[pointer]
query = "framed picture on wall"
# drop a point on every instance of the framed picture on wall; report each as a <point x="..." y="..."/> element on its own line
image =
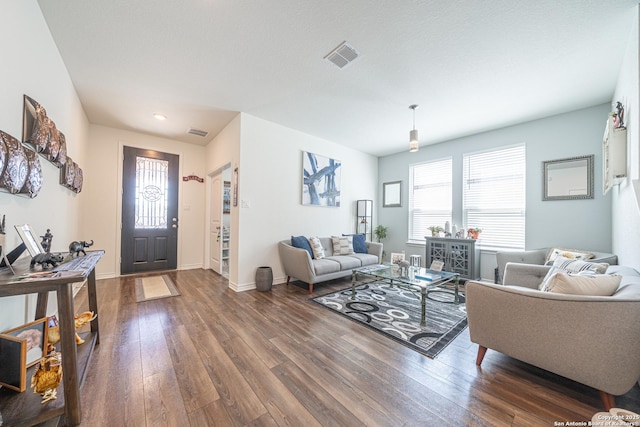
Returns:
<point x="392" y="194"/>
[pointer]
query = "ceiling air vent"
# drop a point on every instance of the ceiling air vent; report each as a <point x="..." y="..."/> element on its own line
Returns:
<point x="198" y="132"/>
<point x="342" y="56"/>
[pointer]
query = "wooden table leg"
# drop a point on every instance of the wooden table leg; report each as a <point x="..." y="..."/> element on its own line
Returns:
<point x="93" y="303"/>
<point x="41" y="305"/>
<point x="69" y="355"/>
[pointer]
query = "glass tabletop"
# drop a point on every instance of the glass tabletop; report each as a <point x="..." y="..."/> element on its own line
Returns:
<point x="414" y="275"/>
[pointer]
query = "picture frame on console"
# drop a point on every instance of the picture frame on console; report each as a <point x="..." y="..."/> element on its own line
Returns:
<point x="28" y="236"/>
<point x="13" y="369"/>
<point x="35" y="335"/>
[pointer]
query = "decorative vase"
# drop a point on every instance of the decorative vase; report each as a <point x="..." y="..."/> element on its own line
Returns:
<point x="264" y="279"/>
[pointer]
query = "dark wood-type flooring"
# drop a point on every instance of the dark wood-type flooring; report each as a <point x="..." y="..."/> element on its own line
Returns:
<point x="216" y="357"/>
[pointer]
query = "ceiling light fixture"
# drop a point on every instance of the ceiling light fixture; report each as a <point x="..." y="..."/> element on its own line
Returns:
<point x="414" y="145"/>
<point x="160" y="116"/>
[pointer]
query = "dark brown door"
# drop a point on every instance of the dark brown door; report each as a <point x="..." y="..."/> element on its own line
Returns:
<point x="149" y="211"/>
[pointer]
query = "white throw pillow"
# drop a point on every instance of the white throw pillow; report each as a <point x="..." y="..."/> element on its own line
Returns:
<point x="342" y="245"/>
<point x="572" y="266"/>
<point x="587" y="284"/>
<point x="316" y="247"/>
<point x="567" y="253"/>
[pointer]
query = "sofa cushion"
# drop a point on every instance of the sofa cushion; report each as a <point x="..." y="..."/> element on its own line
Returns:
<point x="316" y="247"/>
<point x="359" y="243"/>
<point x="584" y="284"/>
<point x="572" y="266"/>
<point x="346" y="262"/>
<point x="301" y="242"/>
<point x="342" y="245"/>
<point x="366" y="259"/>
<point x="567" y="253"/>
<point x="325" y="266"/>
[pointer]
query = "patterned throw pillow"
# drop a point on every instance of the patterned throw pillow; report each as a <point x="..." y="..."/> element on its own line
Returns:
<point x="316" y="247"/>
<point x="359" y="243"/>
<point x="342" y="245"/>
<point x="567" y="253"/>
<point x="578" y="284"/>
<point x="572" y="266"/>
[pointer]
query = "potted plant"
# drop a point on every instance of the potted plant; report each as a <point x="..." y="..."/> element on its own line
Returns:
<point x="435" y="230"/>
<point x="474" y="232"/>
<point x="380" y="232"/>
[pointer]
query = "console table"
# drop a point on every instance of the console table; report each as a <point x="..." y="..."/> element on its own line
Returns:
<point x="25" y="409"/>
<point x="459" y="255"/>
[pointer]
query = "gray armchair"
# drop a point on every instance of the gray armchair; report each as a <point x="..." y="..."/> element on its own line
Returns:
<point x="538" y="257"/>
<point x="593" y="340"/>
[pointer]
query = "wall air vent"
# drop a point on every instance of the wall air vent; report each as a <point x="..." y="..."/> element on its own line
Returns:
<point x="198" y="132"/>
<point x="342" y="56"/>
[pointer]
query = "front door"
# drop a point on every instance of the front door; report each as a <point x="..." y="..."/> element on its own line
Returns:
<point x="149" y="211"/>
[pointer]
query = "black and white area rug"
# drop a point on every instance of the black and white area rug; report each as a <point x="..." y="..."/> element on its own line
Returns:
<point x="395" y="313"/>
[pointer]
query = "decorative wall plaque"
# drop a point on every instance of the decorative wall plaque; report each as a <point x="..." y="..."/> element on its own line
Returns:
<point x="68" y="173"/>
<point x="34" y="179"/>
<point x="53" y="146"/>
<point x="77" y="180"/>
<point x="35" y="125"/>
<point x="62" y="154"/>
<point x="15" y="174"/>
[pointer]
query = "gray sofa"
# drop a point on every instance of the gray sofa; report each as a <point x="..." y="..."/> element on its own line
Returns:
<point x="593" y="340"/>
<point x="539" y="256"/>
<point x="298" y="264"/>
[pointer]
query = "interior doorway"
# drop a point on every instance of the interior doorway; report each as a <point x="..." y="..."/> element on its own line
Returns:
<point x="220" y="222"/>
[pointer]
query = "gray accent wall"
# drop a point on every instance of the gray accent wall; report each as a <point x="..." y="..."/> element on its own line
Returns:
<point x="578" y="224"/>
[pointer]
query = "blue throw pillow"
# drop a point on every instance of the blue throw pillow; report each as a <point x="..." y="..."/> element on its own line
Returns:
<point x="302" y="243"/>
<point x="359" y="243"/>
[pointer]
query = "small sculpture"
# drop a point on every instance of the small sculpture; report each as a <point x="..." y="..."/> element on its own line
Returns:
<point x="47" y="377"/>
<point x="77" y="247"/>
<point x="619" y="117"/>
<point x="46" y="241"/>
<point x="82" y="319"/>
<point x="47" y="259"/>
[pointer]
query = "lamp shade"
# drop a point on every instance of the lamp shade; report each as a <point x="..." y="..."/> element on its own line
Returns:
<point x="414" y="145"/>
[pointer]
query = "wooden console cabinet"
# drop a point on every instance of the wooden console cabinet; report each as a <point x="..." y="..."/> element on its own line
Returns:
<point x="25" y="409"/>
<point x="459" y="255"/>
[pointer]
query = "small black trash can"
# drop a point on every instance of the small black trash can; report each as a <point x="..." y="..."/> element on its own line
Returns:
<point x="264" y="279"/>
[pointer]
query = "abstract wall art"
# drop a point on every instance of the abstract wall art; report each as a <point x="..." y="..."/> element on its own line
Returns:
<point x="320" y="180"/>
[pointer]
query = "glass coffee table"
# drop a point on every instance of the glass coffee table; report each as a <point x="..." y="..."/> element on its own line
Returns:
<point x="417" y="279"/>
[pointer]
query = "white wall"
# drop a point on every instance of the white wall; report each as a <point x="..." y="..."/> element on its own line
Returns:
<point x="270" y="185"/>
<point x="626" y="214"/>
<point x="572" y="134"/>
<point x="103" y="191"/>
<point x="31" y="65"/>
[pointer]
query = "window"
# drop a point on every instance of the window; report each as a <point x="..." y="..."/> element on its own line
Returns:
<point x="430" y="197"/>
<point x="494" y="195"/>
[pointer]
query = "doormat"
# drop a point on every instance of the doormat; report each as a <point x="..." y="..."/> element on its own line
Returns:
<point x="395" y="313"/>
<point x="154" y="287"/>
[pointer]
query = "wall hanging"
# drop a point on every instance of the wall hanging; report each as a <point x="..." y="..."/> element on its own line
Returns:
<point x="320" y="180"/>
<point x="41" y="133"/>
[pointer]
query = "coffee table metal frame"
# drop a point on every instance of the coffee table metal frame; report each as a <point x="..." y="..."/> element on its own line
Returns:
<point x="387" y="273"/>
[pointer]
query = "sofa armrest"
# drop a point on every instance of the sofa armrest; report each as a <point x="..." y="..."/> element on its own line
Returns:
<point x="536" y="256"/>
<point x="375" y="248"/>
<point x="592" y="340"/>
<point x="296" y="262"/>
<point x="527" y="275"/>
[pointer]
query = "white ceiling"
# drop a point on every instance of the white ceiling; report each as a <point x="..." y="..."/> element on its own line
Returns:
<point x="470" y="65"/>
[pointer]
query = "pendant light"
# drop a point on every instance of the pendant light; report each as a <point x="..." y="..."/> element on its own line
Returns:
<point x="413" y="135"/>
